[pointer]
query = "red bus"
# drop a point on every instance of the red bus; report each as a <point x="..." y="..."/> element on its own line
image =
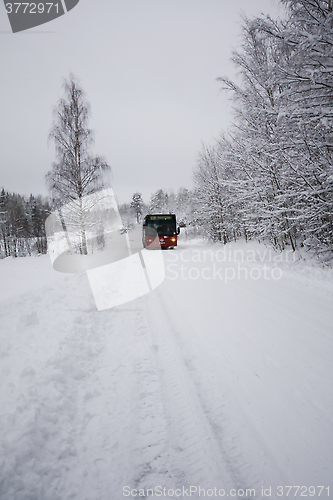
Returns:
<point x="160" y="230"/>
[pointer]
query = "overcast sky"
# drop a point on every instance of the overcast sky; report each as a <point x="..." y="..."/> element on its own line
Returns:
<point x="149" y="70"/>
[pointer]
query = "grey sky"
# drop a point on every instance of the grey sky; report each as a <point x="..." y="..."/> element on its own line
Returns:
<point x="149" y="70"/>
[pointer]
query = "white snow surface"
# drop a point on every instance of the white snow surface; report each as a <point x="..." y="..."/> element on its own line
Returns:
<point x="200" y="383"/>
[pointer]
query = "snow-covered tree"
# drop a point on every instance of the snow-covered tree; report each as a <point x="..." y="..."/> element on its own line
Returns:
<point x="22" y="221"/>
<point x="77" y="173"/>
<point x="305" y="74"/>
<point x="209" y="192"/>
<point x="159" y="202"/>
<point x="137" y="206"/>
<point x="4" y="222"/>
<point x="274" y="173"/>
<point x="257" y="135"/>
<point x="184" y="206"/>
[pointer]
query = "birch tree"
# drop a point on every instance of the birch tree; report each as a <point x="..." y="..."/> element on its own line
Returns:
<point x="213" y="200"/>
<point x="257" y="131"/>
<point x="77" y="173"/>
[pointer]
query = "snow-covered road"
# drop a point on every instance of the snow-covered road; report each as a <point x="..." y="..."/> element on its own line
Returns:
<point x="219" y="379"/>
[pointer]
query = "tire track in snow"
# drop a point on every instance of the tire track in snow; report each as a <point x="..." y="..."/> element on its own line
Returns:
<point x="146" y="436"/>
<point x="194" y="452"/>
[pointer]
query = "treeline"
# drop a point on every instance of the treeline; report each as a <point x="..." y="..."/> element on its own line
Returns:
<point x="181" y="203"/>
<point x="271" y="176"/>
<point x="22" y="224"/>
<point x="22" y="219"/>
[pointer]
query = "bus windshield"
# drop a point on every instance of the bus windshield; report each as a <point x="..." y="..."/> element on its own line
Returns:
<point x="164" y="225"/>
